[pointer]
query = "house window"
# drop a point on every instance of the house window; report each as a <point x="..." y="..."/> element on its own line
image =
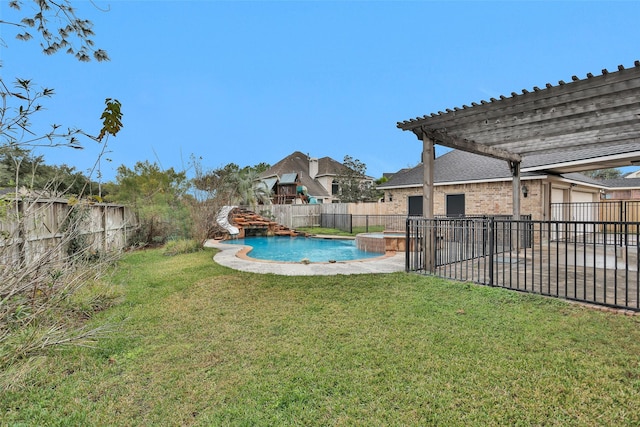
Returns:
<point x="335" y="188"/>
<point x="415" y="205"/>
<point x="455" y="205"/>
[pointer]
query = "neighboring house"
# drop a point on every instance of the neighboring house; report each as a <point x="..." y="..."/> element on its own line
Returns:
<point x="627" y="188"/>
<point x="471" y="184"/>
<point x="299" y="178"/>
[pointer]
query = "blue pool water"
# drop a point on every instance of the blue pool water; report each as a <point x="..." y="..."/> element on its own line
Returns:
<point x="295" y="249"/>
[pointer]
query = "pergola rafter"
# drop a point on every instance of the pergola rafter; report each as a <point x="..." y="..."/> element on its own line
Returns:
<point x="598" y="110"/>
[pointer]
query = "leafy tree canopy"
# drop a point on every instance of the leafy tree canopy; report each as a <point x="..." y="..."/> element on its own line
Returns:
<point x="57" y="27"/>
<point x="21" y="167"/>
<point x="354" y="184"/>
<point x="158" y="197"/>
<point x="233" y="185"/>
<point x="146" y="183"/>
<point x="609" y="173"/>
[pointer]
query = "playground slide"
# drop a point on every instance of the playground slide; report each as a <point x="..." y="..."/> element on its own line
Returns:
<point x="223" y="220"/>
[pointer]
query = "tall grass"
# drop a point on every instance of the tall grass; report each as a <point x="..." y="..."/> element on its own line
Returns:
<point x="47" y="293"/>
<point x="201" y="344"/>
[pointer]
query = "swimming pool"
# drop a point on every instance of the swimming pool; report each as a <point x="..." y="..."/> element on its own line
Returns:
<point x="297" y="249"/>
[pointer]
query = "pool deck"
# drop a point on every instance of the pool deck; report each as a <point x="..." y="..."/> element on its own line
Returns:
<point x="234" y="256"/>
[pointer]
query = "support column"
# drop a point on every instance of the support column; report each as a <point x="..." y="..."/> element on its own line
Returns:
<point x="427" y="204"/>
<point x="427" y="185"/>
<point x="515" y="172"/>
<point x="515" y="226"/>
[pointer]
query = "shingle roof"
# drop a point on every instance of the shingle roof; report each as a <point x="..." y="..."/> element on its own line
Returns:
<point x="621" y="183"/>
<point x="328" y="166"/>
<point x="576" y="176"/>
<point x="314" y="188"/>
<point x="295" y="162"/>
<point x="462" y="166"/>
<point x="583" y="156"/>
<point x="298" y="162"/>
<point x="454" y="166"/>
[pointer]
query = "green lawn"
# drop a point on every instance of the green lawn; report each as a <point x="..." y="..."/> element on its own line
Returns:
<point x="196" y="343"/>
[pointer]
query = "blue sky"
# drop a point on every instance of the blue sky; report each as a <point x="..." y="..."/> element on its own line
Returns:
<point x="249" y="82"/>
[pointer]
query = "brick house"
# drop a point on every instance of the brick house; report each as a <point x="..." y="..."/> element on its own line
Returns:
<point x="299" y="178"/>
<point x="471" y="184"/>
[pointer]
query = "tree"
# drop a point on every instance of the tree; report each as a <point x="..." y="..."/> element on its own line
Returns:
<point x="58" y="28"/>
<point x="610" y="173"/>
<point x="71" y="34"/>
<point x="158" y="198"/>
<point x="381" y="180"/>
<point x="232" y="185"/>
<point x="226" y="185"/>
<point x="354" y="184"/>
<point x="244" y="188"/>
<point x="19" y="167"/>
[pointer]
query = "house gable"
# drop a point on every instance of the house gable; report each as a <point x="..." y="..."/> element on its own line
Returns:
<point x="316" y="175"/>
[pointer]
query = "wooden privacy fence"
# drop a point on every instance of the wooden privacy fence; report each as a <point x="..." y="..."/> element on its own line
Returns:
<point x="609" y="212"/>
<point x="309" y="215"/>
<point x="30" y="229"/>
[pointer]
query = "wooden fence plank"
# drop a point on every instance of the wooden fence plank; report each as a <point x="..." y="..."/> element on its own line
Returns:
<point x="31" y="228"/>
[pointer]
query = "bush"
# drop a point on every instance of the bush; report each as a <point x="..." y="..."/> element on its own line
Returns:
<point x="182" y="246"/>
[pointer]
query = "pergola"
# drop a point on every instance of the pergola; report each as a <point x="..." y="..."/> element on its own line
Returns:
<point x="595" y="119"/>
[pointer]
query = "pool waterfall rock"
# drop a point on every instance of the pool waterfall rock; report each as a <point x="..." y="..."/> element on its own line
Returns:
<point x="237" y="223"/>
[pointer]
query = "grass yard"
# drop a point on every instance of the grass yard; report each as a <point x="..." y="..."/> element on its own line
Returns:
<point x="195" y="343"/>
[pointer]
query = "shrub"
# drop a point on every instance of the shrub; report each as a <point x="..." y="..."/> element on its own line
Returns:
<point x="182" y="246"/>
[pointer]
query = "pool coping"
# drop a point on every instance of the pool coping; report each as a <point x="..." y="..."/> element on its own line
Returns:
<point x="235" y="256"/>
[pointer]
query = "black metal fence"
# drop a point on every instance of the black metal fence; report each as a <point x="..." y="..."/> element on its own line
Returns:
<point x="588" y="261"/>
<point x="600" y="215"/>
<point x="353" y="223"/>
<point x="611" y="211"/>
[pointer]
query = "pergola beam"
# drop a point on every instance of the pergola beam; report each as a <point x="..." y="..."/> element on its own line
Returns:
<point x="580" y="92"/>
<point x="598" y="110"/>
<point x="560" y="121"/>
<point x="442" y="138"/>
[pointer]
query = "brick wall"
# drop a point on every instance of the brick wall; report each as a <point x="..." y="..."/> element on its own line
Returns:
<point x="488" y="198"/>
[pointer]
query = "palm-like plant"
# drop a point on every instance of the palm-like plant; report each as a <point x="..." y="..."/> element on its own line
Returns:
<point x="244" y="188"/>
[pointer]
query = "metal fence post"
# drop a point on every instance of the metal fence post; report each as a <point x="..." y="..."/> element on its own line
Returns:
<point x="490" y="232"/>
<point x="407" y="244"/>
<point x="623" y="215"/>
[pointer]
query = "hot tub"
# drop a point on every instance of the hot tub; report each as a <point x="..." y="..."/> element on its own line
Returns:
<point x="381" y="242"/>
